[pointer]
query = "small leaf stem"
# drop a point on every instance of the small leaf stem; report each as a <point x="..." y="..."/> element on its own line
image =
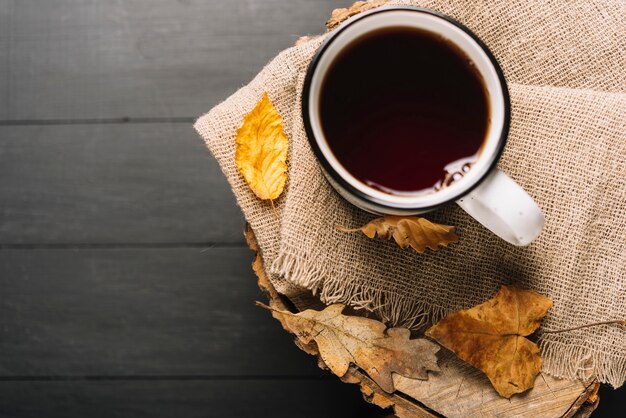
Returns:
<point x="595" y="324"/>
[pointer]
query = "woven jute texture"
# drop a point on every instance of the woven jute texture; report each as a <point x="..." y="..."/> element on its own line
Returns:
<point x="565" y="62"/>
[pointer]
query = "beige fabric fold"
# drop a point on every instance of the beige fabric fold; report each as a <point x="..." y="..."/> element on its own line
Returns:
<point x="566" y="66"/>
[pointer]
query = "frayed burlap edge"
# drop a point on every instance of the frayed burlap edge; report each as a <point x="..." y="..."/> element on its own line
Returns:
<point x="575" y="362"/>
<point x="560" y="360"/>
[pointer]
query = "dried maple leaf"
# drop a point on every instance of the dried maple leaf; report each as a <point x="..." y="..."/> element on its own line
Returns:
<point x="343" y="339"/>
<point x="339" y="15"/>
<point x="261" y="153"/>
<point x="418" y="233"/>
<point x="490" y="337"/>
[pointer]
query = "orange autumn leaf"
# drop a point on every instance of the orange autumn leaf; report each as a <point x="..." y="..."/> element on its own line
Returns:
<point x="261" y="154"/>
<point x="490" y="337"/>
<point x="409" y="231"/>
<point x="366" y="343"/>
<point x="338" y="16"/>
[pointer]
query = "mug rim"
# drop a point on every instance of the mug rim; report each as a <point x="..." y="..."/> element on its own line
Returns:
<point x="342" y="182"/>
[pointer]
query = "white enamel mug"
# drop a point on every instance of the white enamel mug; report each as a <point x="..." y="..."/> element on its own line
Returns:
<point x="486" y="193"/>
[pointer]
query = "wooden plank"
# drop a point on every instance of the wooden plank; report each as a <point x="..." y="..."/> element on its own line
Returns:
<point x="115" y="183"/>
<point x="189" y="399"/>
<point x="460" y="391"/>
<point x="139" y="312"/>
<point x="69" y="59"/>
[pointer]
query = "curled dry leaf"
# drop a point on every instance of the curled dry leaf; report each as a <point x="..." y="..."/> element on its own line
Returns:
<point x="261" y="154"/>
<point x="339" y="15"/>
<point x="343" y="339"/>
<point x="418" y="233"/>
<point x="490" y="337"/>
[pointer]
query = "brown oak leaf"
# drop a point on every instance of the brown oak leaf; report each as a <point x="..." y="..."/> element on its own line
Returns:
<point x="418" y="233"/>
<point x="343" y="340"/>
<point x="490" y="337"/>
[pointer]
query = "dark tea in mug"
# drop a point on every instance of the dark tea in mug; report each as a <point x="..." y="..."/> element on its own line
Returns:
<point x="407" y="111"/>
<point x="402" y="109"/>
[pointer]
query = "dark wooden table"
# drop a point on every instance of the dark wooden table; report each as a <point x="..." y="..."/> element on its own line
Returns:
<point x="125" y="286"/>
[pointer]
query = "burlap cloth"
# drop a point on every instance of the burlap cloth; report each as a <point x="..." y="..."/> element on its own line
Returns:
<point x="565" y="62"/>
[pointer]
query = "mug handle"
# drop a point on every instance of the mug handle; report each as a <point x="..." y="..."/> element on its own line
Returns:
<point x="503" y="207"/>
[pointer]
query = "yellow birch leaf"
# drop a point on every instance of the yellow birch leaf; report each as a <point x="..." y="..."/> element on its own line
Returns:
<point x="261" y="154"/>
